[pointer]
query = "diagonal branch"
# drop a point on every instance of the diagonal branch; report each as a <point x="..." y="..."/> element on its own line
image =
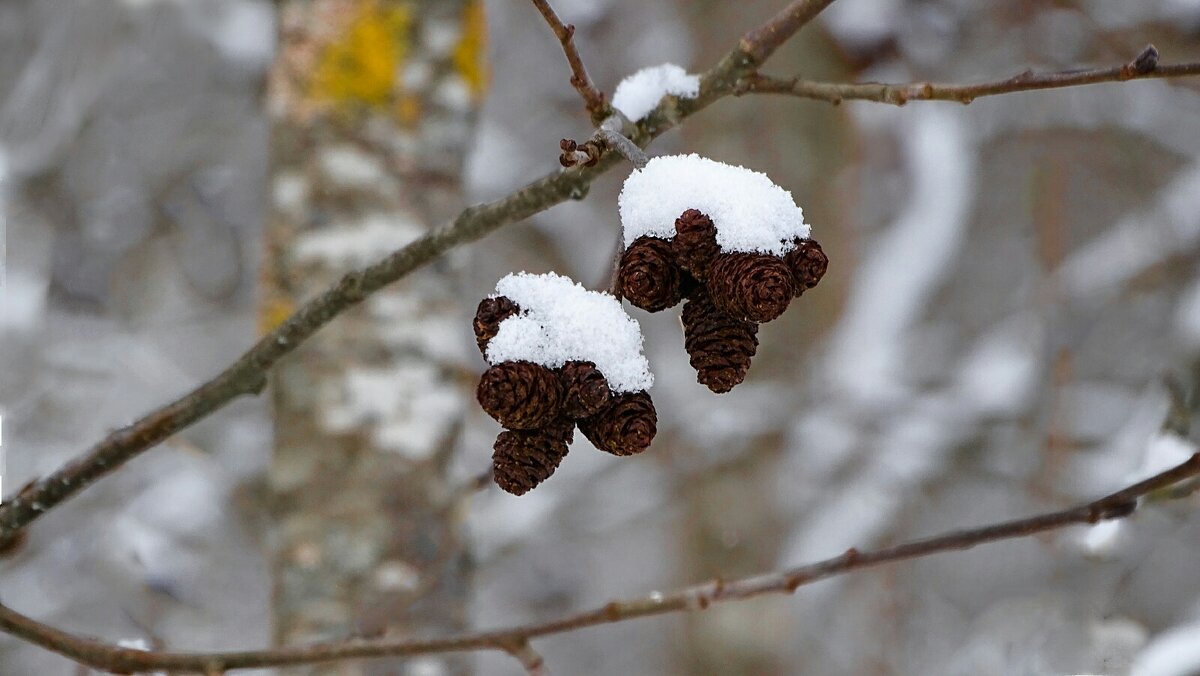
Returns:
<point x="247" y="375"/>
<point x="759" y="44"/>
<point x="1144" y="67"/>
<point x="515" y="640"/>
<point x="593" y="98"/>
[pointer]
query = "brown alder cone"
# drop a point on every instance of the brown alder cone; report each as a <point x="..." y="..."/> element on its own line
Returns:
<point x="585" y="389"/>
<point x="626" y="427"/>
<point x="695" y="243"/>
<point x="808" y="263"/>
<point x="520" y="395"/>
<point x="522" y="459"/>
<point x="488" y="315"/>
<point x="755" y="287"/>
<point x="719" y="347"/>
<point x="648" y="275"/>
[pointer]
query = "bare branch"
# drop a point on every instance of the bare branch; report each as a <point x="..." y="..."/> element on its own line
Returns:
<point x="530" y="659"/>
<point x="620" y="143"/>
<point x="515" y="640"/>
<point x="593" y="98"/>
<point x="1144" y="67"/>
<point x="760" y="43"/>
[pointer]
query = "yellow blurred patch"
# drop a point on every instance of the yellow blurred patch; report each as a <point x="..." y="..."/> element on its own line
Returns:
<point x="273" y="312"/>
<point x="361" y="66"/>
<point x="470" y="54"/>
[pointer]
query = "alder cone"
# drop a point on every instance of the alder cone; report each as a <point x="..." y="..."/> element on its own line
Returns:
<point x="488" y="315"/>
<point x="695" y="243"/>
<point x="522" y="459"/>
<point x="808" y="264"/>
<point x="755" y="287"/>
<point x="585" y="389"/>
<point x="624" y="428"/>
<point x="520" y="395"/>
<point x="648" y="275"/>
<point x="719" y="347"/>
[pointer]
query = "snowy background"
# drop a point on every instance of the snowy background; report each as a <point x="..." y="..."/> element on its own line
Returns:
<point x="1013" y="288"/>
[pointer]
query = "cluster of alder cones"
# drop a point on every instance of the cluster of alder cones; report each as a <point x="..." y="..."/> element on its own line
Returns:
<point x="540" y="407"/>
<point x="728" y="293"/>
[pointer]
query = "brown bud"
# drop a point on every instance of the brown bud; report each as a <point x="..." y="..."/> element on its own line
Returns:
<point x="488" y="315"/>
<point x="755" y="287"/>
<point x="585" y="389"/>
<point x="695" y="243"/>
<point x="648" y="275"/>
<point x="520" y="395"/>
<point x="808" y="264"/>
<point x="624" y="428"/>
<point x="523" y="459"/>
<point x="719" y="347"/>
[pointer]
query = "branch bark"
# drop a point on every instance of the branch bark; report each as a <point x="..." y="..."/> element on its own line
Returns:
<point x="512" y="640"/>
<point x="592" y="97"/>
<point x="1140" y="68"/>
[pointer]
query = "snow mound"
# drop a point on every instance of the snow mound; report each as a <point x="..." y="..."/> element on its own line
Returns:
<point x="640" y="93"/>
<point x="750" y="212"/>
<point x="561" y="321"/>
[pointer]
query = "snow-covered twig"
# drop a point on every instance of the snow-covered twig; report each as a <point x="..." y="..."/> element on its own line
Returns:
<point x="1144" y="67"/>
<point x="247" y="375"/>
<point x="515" y="640"/>
<point x="593" y="98"/>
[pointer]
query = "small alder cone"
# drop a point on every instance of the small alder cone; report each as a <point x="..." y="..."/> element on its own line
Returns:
<point x="808" y="264"/>
<point x="520" y="395"/>
<point x="585" y="389"/>
<point x="522" y="459"/>
<point x="648" y="275"/>
<point x="719" y="347"/>
<point x="488" y="315"/>
<point x="625" y="428"/>
<point x="695" y="243"/>
<point x="755" y="287"/>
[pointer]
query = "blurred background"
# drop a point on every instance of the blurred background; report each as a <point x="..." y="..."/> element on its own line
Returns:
<point x="1011" y="324"/>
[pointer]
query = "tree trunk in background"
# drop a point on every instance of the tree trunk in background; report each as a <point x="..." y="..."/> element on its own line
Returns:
<point x="373" y="103"/>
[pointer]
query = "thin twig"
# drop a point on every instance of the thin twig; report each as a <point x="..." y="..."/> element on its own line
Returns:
<point x="759" y="44"/>
<point x="109" y="657"/>
<point x="248" y="374"/>
<point x="532" y="661"/>
<point x="592" y="97"/>
<point x="626" y="148"/>
<point x="1141" y="68"/>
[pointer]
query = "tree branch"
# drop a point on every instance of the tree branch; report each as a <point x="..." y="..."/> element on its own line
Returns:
<point x="1144" y="67"/>
<point x="593" y="98"/>
<point x="515" y="640"/>
<point x="247" y="375"/>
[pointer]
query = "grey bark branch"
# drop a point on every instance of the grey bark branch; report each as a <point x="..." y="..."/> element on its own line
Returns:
<point x="99" y="655"/>
<point x="1141" y="68"/>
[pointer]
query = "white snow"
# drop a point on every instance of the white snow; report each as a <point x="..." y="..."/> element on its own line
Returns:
<point x="1102" y="540"/>
<point x="358" y="243"/>
<point x="750" y="212"/>
<point x="638" y="94"/>
<point x="1164" y="451"/>
<point x="1174" y="652"/>
<point x="561" y="321"/>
